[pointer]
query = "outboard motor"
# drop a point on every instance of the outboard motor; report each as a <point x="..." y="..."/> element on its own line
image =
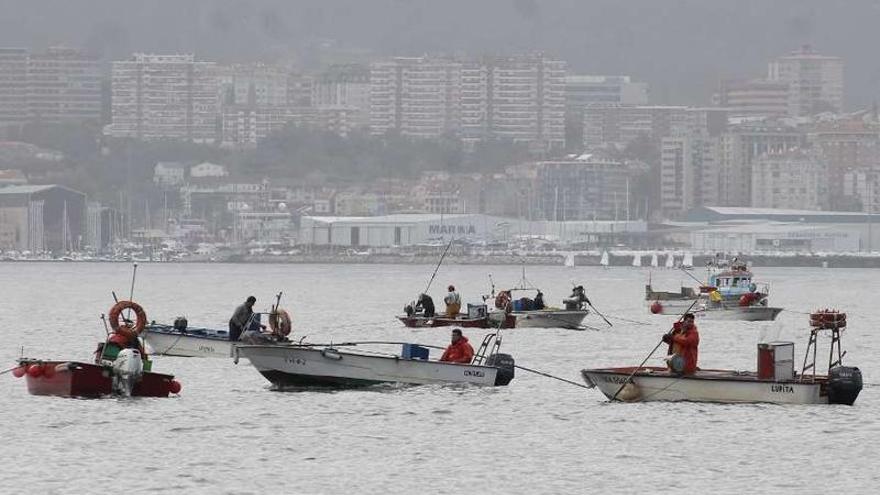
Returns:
<point x="506" y="367"/>
<point x="128" y="368"/>
<point x="180" y="324"/>
<point x="844" y="384"/>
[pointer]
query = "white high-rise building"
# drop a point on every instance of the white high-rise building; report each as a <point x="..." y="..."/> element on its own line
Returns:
<point x="418" y="96"/>
<point x="165" y="97"/>
<point x="345" y="88"/>
<point x="792" y="179"/>
<point x="815" y="81"/>
<point x="257" y="84"/>
<point x="688" y="174"/>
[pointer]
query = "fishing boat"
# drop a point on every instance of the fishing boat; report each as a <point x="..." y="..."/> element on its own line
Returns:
<point x="775" y="380"/>
<point x="476" y="317"/>
<point x="522" y="307"/>
<point x="341" y="366"/>
<point x="180" y="340"/>
<point x="121" y="367"/>
<point x="729" y="294"/>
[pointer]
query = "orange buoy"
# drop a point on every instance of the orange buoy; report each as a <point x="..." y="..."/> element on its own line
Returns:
<point x="35" y="370"/>
<point x="48" y="370"/>
<point x="174" y="387"/>
<point x="656" y="308"/>
<point x="20" y="371"/>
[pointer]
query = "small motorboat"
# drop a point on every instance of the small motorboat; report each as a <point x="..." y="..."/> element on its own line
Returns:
<point x="774" y="382"/>
<point x="442" y="320"/>
<point x="121" y="366"/>
<point x="516" y="308"/>
<point x="317" y="365"/>
<point x="180" y="340"/>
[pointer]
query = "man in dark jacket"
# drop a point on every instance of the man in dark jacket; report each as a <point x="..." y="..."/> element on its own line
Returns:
<point x="427" y="304"/>
<point x="240" y="318"/>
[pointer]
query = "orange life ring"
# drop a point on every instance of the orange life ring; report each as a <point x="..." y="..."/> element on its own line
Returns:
<point x="502" y="300"/>
<point x="279" y="322"/>
<point x="122" y="327"/>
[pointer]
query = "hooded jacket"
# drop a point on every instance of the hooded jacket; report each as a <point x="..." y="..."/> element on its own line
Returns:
<point x="459" y="352"/>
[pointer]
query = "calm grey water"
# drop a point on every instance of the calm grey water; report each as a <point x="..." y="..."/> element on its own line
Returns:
<point x="227" y="433"/>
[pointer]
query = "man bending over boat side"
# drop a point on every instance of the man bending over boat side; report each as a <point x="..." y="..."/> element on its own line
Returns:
<point x="684" y="342"/>
<point x="240" y="318"/>
<point x="459" y="351"/>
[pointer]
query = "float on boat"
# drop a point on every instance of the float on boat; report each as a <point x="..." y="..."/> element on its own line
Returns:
<point x="775" y="380"/>
<point x="296" y="365"/>
<point x="120" y="368"/>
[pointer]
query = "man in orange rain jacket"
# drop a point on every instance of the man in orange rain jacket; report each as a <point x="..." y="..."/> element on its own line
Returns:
<point x="684" y="340"/>
<point x="459" y="351"/>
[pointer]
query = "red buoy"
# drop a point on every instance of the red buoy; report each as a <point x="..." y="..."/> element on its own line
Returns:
<point x="19" y="372"/>
<point x="656" y="308"/>
<point x="174" y="387"/>
<point x="49" y="370"/>
<point x="35" y="370"/>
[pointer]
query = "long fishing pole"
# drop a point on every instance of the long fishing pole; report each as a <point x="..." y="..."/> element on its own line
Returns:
<point x="691" y="276"/>
<point x="613" y="397"/>
<point x="438" y="266"/>
<point x="600" y="314"/>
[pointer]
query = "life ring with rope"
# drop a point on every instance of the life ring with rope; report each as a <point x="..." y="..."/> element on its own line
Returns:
<point x="124" y="326"/>
<point x="280" y="323"/>
<point x="502" y="300"/>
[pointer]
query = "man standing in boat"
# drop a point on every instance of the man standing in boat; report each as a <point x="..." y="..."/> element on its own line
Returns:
<point x="240" y="318"/>
<point x="453" y="302"/>
<point x="459" y="351"/>
<point x="684" y="341"/>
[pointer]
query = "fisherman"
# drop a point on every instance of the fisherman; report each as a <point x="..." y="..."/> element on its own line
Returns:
<point x="241" y="318"/>
<point x="577" y="299"/>
<point x="539" y="301"/>
<point x="684" y="342"/>
<point x="459" y="351"/>
<point x="453" y="302"/>
<point x="426" y="304"/>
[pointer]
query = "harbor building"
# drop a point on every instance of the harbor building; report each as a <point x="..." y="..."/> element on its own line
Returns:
<point x="42" y="218"/>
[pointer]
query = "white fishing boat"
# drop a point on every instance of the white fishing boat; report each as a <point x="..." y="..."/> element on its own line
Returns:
<point x="166" y="340"/>
<point x="303" y="365"/>
<point x="775" y="380"/>
<point x="604" y="261"/>
<point x="706" y="309"/>
<point x="654" y="261"/>
<point x="523" y="307"/>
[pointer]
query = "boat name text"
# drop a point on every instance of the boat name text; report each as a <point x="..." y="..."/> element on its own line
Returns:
<point x="476" y="373"/>
<point x="782" y="389"/>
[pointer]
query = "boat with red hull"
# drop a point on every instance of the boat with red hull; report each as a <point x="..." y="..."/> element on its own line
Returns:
<point x="121" y="366"/>
<point x="79" y="379"/>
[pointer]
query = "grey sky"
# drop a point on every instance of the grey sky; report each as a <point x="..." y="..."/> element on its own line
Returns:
<point x="681" y="47"/>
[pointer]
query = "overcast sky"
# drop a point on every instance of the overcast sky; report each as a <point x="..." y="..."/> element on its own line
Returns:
<point x="681" y="47"/>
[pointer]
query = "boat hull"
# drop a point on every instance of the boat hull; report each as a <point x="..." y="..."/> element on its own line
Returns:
<point x="730" y="312"/>
<point x="444" y="321"/>
<point x="185" y="345"/>
<point x="723" y="386"/>
<point x="301" y="366"/>
<point x="78" y="379"/>
<point x="570" y="319"/>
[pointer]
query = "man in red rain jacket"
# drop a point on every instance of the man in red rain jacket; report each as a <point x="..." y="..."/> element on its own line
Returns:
<point x="459" y="351"/>
<point x="684" y="340"/>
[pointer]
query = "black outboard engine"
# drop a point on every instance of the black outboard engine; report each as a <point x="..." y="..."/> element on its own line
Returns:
<point x="505" y="365"/>
<point x="180" y="324"/>
<point x="844" y="384"/>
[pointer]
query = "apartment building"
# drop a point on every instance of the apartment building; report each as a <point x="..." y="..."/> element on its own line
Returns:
<point x="815" y="81"/>
<point x="754" y="97"/>
<point x="623" y="124"/>
<point x="345" y="88"/>
<point x="792" y="179"/>
<point x="13" y="85"/>
<point x="688" y="174"/>
<point x="165" y="97"/>
<point x="585" y="187"/>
